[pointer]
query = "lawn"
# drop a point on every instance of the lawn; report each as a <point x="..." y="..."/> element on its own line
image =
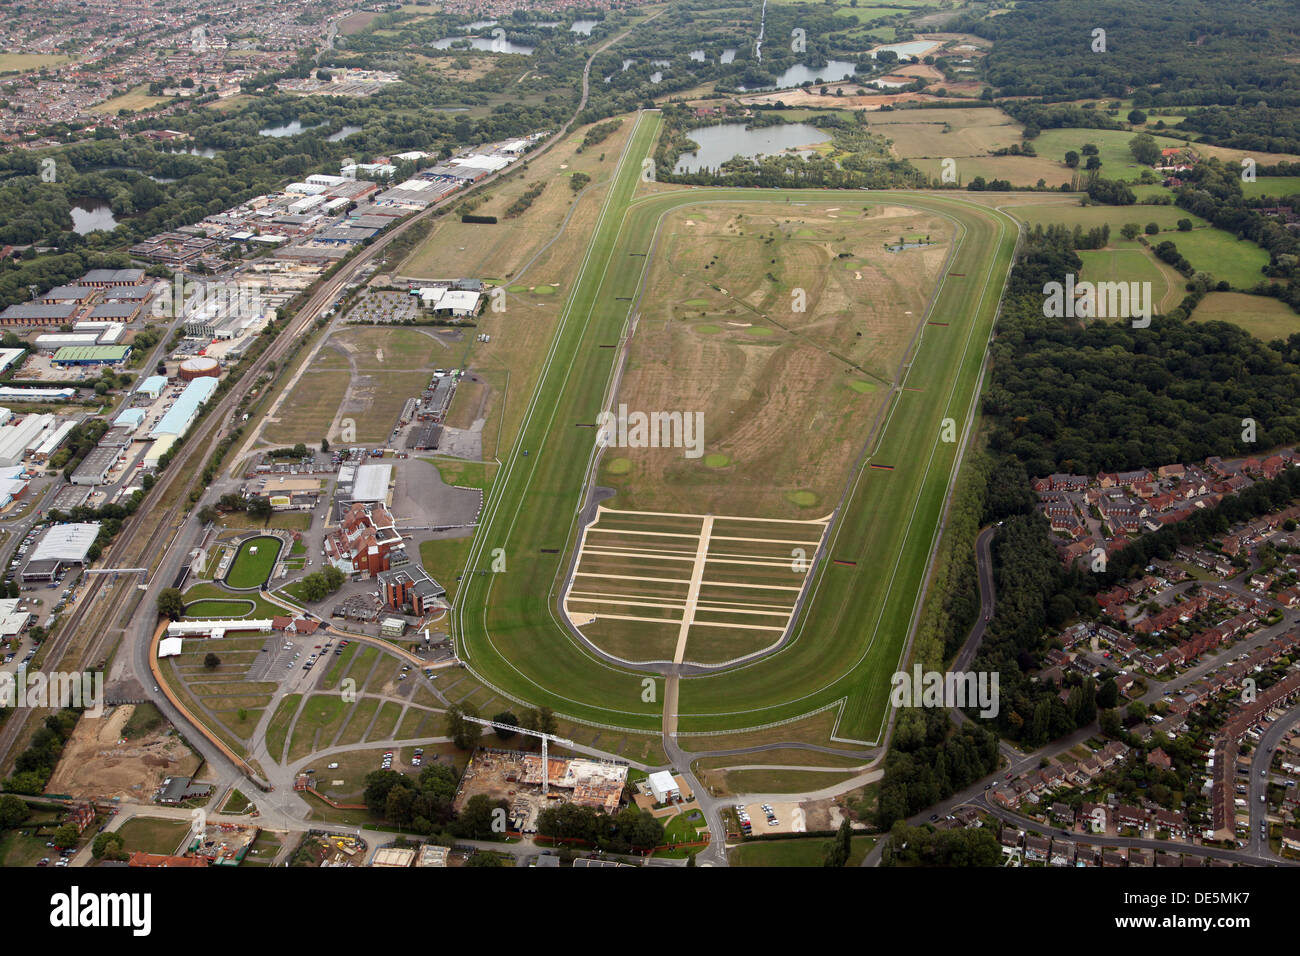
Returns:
<point x="279" y="725"/>
<point x="152" y="835"/>
<point x="211" y="591"/>
<point x="444" y="558"/>
<point x="1263" y="317"/>
<point x="466" y="474"/>
<point x="322" y="714"/>
<point x="797" y="852"/>
<point x="254" y="562"/>
<point x="236" y="803"/>
<point x="219" y="609"/>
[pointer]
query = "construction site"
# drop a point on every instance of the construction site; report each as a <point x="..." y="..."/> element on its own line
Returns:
<point x="332" y="849"/>
<point x="224" y="844"/>
<point x="516" y="777"/>
<point x="101" y="762"/>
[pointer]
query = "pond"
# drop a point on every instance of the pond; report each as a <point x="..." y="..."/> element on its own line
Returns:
<point x="583" y="26"/>
<point x="344" y="133"/>
<point x="483" y="44"/>
<point x="207" y="152"/>
<point x="799" y="74"/>
<point x="721" y="143"/>
<point x="728" y="56"/>
<point x="479" y="25"/>
<point x="288" y="129"/>
<point x="91" y="214"/>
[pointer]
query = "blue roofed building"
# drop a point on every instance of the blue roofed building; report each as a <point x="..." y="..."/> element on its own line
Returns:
<point x="181" y="415"/>
<point x="153" y="385"/>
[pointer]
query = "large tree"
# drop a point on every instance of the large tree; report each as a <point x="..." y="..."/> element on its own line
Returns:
<point x="171" y="603"/>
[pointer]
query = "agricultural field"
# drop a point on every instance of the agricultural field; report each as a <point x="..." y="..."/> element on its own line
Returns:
<point x="1261" y="316"/>
<point x="848" y="637"/>
<point x="927" y="137"/>
<point x="1069" y="213"/>
<point x="1210" y="250"/>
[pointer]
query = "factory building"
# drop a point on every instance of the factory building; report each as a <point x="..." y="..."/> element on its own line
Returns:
<point x="182" y="414"/>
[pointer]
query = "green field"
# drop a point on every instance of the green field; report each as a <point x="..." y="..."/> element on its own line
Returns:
<point x="1278" y="186"/>
<point x="219" y="609"/>
<point x="1222" y="255"/>
<point x="849" y="638"/>
<point x="1261" y="316"/>
<point x="254" y="562"/>
<point x="1133" y="264"/>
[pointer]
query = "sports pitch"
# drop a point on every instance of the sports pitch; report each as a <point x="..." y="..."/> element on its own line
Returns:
<point x="861" y="596"/>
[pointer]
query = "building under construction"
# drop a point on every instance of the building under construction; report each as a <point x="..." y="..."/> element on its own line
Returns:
<point x="224" y="844"/>
<point x="516" y="777"/>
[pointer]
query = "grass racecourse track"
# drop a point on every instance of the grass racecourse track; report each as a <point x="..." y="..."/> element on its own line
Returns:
<point x="851" y="631"/>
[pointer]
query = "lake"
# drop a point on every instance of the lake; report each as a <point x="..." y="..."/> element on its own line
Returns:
<point x="799" y="74"/>
<point x="91" y="214"/>
<point x="720" y="143"/>
<point x="288" y="129"/>
<point x="483" y="44"/>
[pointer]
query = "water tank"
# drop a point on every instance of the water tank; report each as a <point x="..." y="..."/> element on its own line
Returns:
<point x="193" y="368"/>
